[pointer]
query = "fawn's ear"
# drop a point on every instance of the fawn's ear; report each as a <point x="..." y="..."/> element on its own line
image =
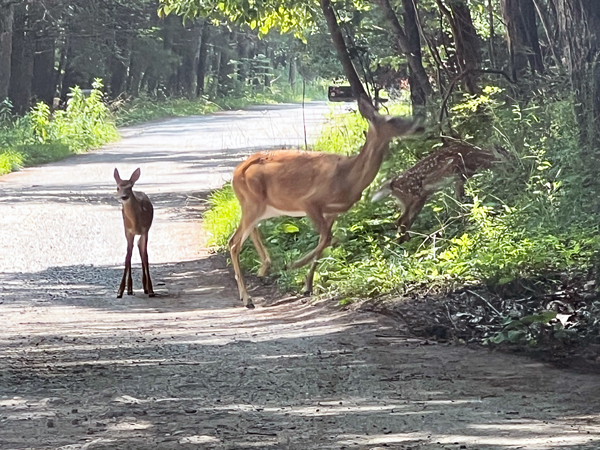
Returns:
<point x="117" y="177"/>
<point x="135" y="175"/>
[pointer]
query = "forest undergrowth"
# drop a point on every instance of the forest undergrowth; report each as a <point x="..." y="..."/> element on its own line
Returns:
<point x="42" y="136"/>
<point x="512" y="264"/>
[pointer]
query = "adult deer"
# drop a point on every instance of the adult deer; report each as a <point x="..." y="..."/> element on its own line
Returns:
<point x="314" y="184"/>
<point x="137" y="219"/>
<point x="456" y="161"/>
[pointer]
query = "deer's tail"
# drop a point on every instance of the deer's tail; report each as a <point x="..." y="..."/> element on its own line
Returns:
<point x="384" y="191"/>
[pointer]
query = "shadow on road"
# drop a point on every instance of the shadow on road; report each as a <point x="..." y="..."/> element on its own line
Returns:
<point x="292" y="377"/>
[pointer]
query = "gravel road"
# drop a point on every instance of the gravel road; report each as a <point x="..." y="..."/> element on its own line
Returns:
<point x="193" y="369"/>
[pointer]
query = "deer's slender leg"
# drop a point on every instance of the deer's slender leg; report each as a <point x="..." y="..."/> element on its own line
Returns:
<point x="310" y="276"/>
<point x="323" y="226"/>
<point x="250" y="217"/>
<point x="324" y="242"/>
<point x="262" y="252"/>
<point x="129" y="277"/>
<point x="406" y="221"/>
<point x="459" y="187"/>
<point x="127" y="270"/>
<point x="147" y="282"/>
<point x="141" y="249"/>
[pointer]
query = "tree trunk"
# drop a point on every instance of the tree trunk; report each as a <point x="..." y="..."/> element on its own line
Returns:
<point x="6" y="34"/>
<point x="420" y="87"/>
<point x="522" y="36"/>
<point x="21" y="75"/>
<point x="189" y="64"/>
<point x="341" y="49"/>
<point x="582" y="55"/>
<point x="202" y="58"/>
<point x="225" y="66"/>
<point x="118" y="64"/>
<point x="242" y="57"/>
<point x="44" y="76"/>
<point x="466" y="41"/>
<point x="409" y="43"/>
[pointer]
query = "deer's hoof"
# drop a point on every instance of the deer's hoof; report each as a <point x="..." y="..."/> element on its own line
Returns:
<point x="250" y="306"/>
<point x="120" y="295"/>
<point x="129" y="293"/>
<point x="307" y="294"/>
<point x="151" y="294"/>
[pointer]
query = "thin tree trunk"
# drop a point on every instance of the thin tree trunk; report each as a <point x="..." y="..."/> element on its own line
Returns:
<point x="189" y="64"/>
<point x="341" y="49"/>
<point x="21" y="75"/>
<point x="409" y="43"/>
<point x="582" y="54"/>
<point x="6" y="35"/>
<point x="44" y="87"/>
<point x="417" y="75"/>
<point x="492" y="33"/>
<point x="466" y="41"/>
<point x="522" y="36"/>
<point x="202" y="58"/>
<point x="118" y="64"/>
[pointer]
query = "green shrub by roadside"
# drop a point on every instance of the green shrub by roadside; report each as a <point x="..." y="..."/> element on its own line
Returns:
<point x="41" y="136"/>
<point x="515" y="223"/>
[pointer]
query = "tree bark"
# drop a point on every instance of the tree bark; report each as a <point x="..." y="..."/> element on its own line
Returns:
<point x="522" y="36"/>
<point x="466" y="41"/>
<point x="409" y="43"/>
<point x="341" y="49"/>
<point x="202" y="58"/>
<point x="21" y="75"/>
<point x="581" y="50"/>
<point x="417" y="75"/>
<point x="44" y="76"/>
<point x="6" y="34"/>
<point x="118" y="64"/>
<point x="189" y="64"/>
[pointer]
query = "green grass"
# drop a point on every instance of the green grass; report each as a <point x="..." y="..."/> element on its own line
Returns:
<point x="145" y="109"/>
<point x="42" y="137"/>
<point x="510" y="227"/>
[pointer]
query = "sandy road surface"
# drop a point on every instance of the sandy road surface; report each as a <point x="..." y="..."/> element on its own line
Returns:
<point x="191" y="368"/>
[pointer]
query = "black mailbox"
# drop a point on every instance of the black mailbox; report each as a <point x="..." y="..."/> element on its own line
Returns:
<point x="340" y="94"/>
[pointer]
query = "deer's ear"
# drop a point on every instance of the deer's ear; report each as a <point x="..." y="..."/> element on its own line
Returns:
<point x="366" y="108"/>
<point x="117" y="177"/>
<point x="135" y="175"/>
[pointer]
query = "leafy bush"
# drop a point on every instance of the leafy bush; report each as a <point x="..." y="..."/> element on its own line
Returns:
<point x="517" y="221"/>
<point x="41" y="136"/>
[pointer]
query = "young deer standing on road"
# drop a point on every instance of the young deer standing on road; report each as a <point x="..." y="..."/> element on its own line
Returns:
<point x="456" y="161"/>
<point x="314" y="184"/>
<point x="137" y="218"/>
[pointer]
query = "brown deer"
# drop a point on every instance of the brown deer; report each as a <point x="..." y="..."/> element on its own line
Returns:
<point x="456" y="161"/>
<point x="314" y="184"/>
<point x="137" y="219"/>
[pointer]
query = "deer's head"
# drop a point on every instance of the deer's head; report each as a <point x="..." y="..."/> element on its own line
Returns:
<point x="386" y="127"/>
<point x="125" y="187"/>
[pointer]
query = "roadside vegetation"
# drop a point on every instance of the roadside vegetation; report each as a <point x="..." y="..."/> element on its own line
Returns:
<point x="41" y="136"/>
<point x="518" y="252"/>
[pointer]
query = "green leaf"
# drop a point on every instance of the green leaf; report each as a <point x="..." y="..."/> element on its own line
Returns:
<point x="289" y="228"/>
<point x="544" y="317"/>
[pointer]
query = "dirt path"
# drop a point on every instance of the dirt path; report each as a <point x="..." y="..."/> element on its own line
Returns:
<point x="191" y="368"/>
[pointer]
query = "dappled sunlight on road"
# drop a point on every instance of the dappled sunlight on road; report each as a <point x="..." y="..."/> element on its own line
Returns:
<point x="193" y="368"/>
